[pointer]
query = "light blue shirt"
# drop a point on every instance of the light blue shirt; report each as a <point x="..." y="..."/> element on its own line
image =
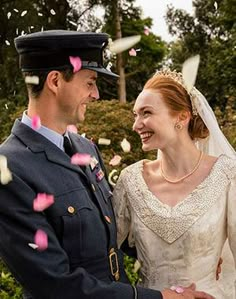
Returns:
<point x="51" y="135"/>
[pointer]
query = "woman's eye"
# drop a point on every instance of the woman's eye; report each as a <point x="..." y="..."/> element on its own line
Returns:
<point x="146" y="113"/>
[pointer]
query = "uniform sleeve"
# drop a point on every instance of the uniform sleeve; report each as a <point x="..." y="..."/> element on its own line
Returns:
<point x="46" y="274"/>
<point x="231" y="218"/>
<point x="122" y="212"/>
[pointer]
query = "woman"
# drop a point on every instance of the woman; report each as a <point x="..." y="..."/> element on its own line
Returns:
<point x="179" y="210"/>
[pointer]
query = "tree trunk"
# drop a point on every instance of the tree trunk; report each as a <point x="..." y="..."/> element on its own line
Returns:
<point x="119" y="63"/>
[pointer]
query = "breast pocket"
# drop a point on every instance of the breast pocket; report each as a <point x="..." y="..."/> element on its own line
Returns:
<point x="71" y="216"/>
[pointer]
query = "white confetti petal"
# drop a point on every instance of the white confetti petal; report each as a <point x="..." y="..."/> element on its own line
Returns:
<point x="5" y="176"/>
<point x="125" y="145"/>
<point x="6" y="106"/>
<point x="16" y="10"/>
<point x="9" y="15"/>
<point x="124" y="43"/>
<point x="7" y="42"/>
<point x="83" y="135"/>
<point x="32" y="245"/>
<point x="32" y="80"/>
<point x="52" y="11"/>
<point x="40" y="14"/>
<point x="189" y="71"/>
<point x="215" y="5"/>
<point x="112" y="177"/>
<point x="23" y="13"/>
<point x="104" y="141"/>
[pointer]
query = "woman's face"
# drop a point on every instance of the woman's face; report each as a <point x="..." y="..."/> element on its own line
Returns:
<point x="153" y="121"/>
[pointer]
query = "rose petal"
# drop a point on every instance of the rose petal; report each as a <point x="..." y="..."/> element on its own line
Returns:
<point x="41" y="240"/>
<point x="115" y="160"/>
<point x="132" y="52"/>
<point x="36" y="122"/>
<point x="76" y="63"/>
<point x="124" y="43"/>
<point x="125" y="145"/>
<point x="23" y="13"/>
<point x="42" y="202"/>
<point x="189" y="71"/>
<point x="72" y="128"/>
<point x="32" y="245"/>
<point x="52" y="11"/>
<point x="104" y="141"/>
<point x="32" y="80"/>
<point x="6" y="176"/>
<point x="146" y="31"/>
<point x="81" y="159"/>
<point x="179" y="290"/>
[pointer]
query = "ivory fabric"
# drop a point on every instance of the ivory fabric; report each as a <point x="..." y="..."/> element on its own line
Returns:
<point x="182" y="244"/>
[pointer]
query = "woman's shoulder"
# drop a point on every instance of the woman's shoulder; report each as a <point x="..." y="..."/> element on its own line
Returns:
<point x="227" y="165"/>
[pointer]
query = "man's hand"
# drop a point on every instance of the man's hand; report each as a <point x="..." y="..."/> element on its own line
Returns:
<point x="187" y="293"/>
<point x="218" y="269"/>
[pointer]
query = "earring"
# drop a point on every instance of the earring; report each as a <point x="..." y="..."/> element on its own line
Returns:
<point x="179" y="126"/>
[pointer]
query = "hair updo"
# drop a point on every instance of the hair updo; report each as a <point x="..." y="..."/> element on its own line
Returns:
<point x="177" y="99"/>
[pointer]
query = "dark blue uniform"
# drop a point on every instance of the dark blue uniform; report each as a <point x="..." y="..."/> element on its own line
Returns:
<point x="82" y="260"/>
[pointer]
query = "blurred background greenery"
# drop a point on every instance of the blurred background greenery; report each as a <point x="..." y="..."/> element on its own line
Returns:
<point x="211" y="32"/>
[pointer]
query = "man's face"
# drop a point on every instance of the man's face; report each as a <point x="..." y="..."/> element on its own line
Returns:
<point x="73" y="96"/>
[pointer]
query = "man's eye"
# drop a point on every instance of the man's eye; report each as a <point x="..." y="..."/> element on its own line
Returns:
<point x="146" y="112"/>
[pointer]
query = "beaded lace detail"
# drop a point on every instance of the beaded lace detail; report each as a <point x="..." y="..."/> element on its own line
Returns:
<point x="170" y="223"/>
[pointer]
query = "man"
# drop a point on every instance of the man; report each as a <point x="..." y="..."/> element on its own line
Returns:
<point x="80" y="258"/>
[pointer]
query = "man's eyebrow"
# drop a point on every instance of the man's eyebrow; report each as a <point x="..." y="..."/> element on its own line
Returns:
<point x="93" y="77"/>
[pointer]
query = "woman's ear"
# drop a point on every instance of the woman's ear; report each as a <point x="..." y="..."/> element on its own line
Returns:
<point x="184" y="117"/>
<point x="53" y="81"/>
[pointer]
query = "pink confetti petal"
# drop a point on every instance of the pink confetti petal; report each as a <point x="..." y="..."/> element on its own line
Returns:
<point x="42" y="202"/>
<point x="146" y="31"/>
<point x="132" y="52"/>
<point x="41" y="240"/>
<point x="179" y="290"/>
<point x="72" y="128"/>
<point x="76" y="63"/>
<point x="81" y="159"/>
<point x="115" y="160"/>
<point x="36" y="122"/>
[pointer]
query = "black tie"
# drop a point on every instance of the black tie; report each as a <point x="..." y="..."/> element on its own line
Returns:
<point x="68" y="147"/>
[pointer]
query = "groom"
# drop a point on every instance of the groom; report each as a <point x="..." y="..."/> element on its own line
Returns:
<point x="57" y="228"/>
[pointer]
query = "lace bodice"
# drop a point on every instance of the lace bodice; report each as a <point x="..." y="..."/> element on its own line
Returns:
<point x="181" y="244"/>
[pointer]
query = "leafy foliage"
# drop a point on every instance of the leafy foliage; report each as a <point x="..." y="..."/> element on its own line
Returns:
<point x="212" y="34"/>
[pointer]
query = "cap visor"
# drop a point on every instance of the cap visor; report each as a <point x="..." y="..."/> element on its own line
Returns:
<point x="102" y="71"/>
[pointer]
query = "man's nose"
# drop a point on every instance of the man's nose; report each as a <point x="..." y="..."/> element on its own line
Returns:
<point x="95" y="93"/>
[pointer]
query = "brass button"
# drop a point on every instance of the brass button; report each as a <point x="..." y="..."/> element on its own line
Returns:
<point x="108" y="219"/>
<point x="93" y="187"/>
<point x="71" y="210"/>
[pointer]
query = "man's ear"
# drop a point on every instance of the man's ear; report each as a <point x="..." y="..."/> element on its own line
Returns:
<point x="53" y="81"/>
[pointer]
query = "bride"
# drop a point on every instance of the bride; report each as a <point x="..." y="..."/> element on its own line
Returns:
<point x="180" y="209"/>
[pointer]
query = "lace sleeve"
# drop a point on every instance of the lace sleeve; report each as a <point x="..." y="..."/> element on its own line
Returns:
<point x="122" y="212"/>
<point x="232" y="219"/>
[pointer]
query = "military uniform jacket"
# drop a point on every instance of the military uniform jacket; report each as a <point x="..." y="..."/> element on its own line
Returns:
<point x="82" y="260"/>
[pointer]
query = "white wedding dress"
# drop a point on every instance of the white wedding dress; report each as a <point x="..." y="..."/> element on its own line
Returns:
<point x="182" y="244"/>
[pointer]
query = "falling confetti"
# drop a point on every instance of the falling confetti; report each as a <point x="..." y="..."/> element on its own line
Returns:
<point x="36" y="122"/>
<point x="115" y="160"/>
<point x="123" y="44"/>
<point x="7" y="42"/>
<point x="215" y="5"/>
<point x="104" y="141"/>
<point x="76" y="63"/>
<point x="109" y="65"/>
<point x="23" y="13"/>
<point x="40" y="14"/>
<point x="16" y="10"/>
<point x="52" y="11"/>
<point x="113" y="177"/>
<point x="32" y="80"/>
<point x="132" y="52"/>
<point x="5" y="174"/>
<point x="41" y="240"/>
<point x="32" y="245"/>
<point x="189" y="71"/>
<point x="146" y="30"/>
<point x="81" y="159"/>
<point x="9" y="15"/>
<point x="6" y="106"/>
<point x="42" y="202"/>
<point x="125" y="145"/>
<point x="72" y="129"/>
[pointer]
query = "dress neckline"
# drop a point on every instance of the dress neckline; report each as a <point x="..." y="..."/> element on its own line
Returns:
<point x="203" y="183"/>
